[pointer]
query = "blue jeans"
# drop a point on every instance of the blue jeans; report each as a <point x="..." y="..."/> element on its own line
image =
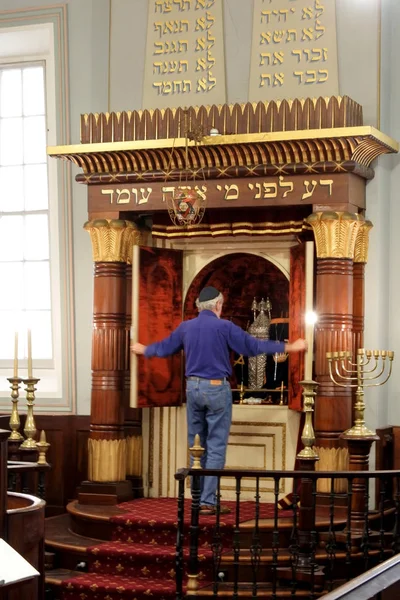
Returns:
<point x="209" y="413"/>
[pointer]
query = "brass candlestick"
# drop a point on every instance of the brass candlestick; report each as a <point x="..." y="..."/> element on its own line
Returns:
<point x="15" y="423"/>
<point x="42" y="445"/>
<point x="30" y="426"/>
<point x="308" y="435"/>
<point x="347" y="372"/>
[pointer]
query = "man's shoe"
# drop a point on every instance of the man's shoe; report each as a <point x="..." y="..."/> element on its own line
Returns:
<point x="207" y="509"/>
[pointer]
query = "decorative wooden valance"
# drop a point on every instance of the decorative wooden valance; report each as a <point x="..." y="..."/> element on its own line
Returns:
<point x="229" y="119"/>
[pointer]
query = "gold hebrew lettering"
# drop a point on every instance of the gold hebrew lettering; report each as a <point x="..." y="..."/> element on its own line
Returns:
<point x="210" y="20"/>
<point x="311" y="77"/>
<point x="158" y="27"/>
<point x="109" y="193"/>
<point x="320" y="28"/>
<point x="285" y="184"/>
<point x="158" y="86"/>
<point x="324" y="74"/>
<point x="278" y="78"/>
<point x="177" y="87"/>
<point x="200" y="24"/>
<point x="187" y="85"/>
<point x="270" y="190"/>
<point x="200" y="44"/>
<point x="167" y="6"/>
<point x="210" y="40"/>
<point x="167" y="190"/>
<point x="123" y="196"/>
<point x="184" y="23"/>
<point x="210" y="60"/>
<point x="307" y="34"/>
<point x="278" y="36"/>
<point x="307" y="52"/>
<point x="231" y="192"/>
<point x="263" y="56"/>
<point x="157" y="67"/>
<point x="158" y="5"/>
<point x="290" y="33"/>
<point x="169" y="26"/>
<point x="307" y="12"/>
<point x="201" y="191"/>
<point x="284" y="12"/>
<point x="167" y="87"/>
<point x="183" y="46"/>
<point x="145" y="196"/>
<point x="278" y="58"/>
<point x="299" y="74"/>
<point x="297" y="53"/>
<point x="183" y="63"/>
<point x="319" y="9"/>
<point x="159" y="48"/>
<point x="265" y="14"/>
<point x="265" y="37"/>
<point x="265" y="77"/>
<point x="212" y="81"/>
<point x="258" y="194"/>
<point x="201" y="64"/>
<point x="202" y="84"/>
<point x="308" y="193"/>
<point x="329" y="183"/>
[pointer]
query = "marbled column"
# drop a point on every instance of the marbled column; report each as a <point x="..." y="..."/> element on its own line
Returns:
<point x="335" y="237"/>
<point x="112" y="243"/>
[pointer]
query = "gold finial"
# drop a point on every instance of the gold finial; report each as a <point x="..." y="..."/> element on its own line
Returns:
<point x="197" y="452"/>
<point x="43" y="446"/>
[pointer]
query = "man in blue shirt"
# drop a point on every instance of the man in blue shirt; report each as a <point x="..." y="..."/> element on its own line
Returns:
<point x="207" y="341"/>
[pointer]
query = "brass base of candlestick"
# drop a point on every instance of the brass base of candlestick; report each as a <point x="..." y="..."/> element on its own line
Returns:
<point x="359" y="431"/>
<point x="30" y="426"/>
<point x="308" y="435"/>
<point x="15" y="423"/>
<point x="196" y="452"/>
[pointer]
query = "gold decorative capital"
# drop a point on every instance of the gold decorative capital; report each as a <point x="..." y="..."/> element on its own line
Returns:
<point x="113" y="239"/>
<point x="362" y="243"/>
<point x="107" y="460"/>
<point x="335" y="233"/>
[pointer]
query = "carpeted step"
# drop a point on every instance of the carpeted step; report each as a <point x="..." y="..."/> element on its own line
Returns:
<point x="107" y="587"/>
<point x="143" y="561"/>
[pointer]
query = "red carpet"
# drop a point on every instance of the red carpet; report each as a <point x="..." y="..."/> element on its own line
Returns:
<point x="140" y="559"/>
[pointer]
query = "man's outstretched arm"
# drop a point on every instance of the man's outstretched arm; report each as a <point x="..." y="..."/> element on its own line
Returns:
<point x="166" y="347"/>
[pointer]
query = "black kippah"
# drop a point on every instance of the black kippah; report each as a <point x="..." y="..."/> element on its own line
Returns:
<point x="208" y="293"/>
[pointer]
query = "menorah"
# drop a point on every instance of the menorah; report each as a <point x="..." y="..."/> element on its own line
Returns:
<point x="371" y="365"/>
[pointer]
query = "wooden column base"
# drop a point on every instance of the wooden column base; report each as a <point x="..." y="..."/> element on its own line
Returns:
<point x="105" y="493"/>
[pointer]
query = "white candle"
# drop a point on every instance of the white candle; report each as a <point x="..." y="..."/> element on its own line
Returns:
<point x="309" y="314"/>
<point x="29" y="354"/>
<point x="135" y="326"/>
<point x="16" y="354"/>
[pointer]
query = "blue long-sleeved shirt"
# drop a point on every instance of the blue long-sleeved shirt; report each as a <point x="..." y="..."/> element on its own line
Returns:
<point x="207" y="341"/>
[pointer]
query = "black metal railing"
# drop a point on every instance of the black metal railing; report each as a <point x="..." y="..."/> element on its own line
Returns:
<point x="323" y="541"/>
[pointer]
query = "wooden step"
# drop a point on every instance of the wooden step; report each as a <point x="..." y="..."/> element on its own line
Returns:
<point x="55" y="577"/>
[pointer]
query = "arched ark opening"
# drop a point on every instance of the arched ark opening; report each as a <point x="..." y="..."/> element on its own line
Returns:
<point x="241" y="277"/>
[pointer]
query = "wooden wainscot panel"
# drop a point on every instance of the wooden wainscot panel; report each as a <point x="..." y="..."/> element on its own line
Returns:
<point x="285" y="190"/>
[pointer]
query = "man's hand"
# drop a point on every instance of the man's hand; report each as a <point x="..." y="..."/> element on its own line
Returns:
<point x="138" y="348"/>
<point x="298" y="346"/>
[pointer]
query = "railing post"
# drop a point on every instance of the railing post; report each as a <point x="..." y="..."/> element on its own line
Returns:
<point x="181" y="477"/>
<point x="3" y="482"/>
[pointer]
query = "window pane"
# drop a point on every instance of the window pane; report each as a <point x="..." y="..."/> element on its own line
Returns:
<point x="11" y="142"/>
<point x="11" y="93"/>
<point x="36" y="190"/>
<point x="34" y="140"/>
<point x="12" y="286"/>
<point x="36" y="243"/>
<point x="33" y="91"/>
<point x="9" y="322"/>
<point x="11" y="238"/>
<point x="40" y="325"/>
<point x="11" y="189"/>
<point x="37" y="286"/>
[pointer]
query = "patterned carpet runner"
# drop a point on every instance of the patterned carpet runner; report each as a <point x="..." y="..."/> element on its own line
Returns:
<point x="140" y="560"/>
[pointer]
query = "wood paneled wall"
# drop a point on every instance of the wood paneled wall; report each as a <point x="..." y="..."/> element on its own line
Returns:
<point x="67" y="435"/>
